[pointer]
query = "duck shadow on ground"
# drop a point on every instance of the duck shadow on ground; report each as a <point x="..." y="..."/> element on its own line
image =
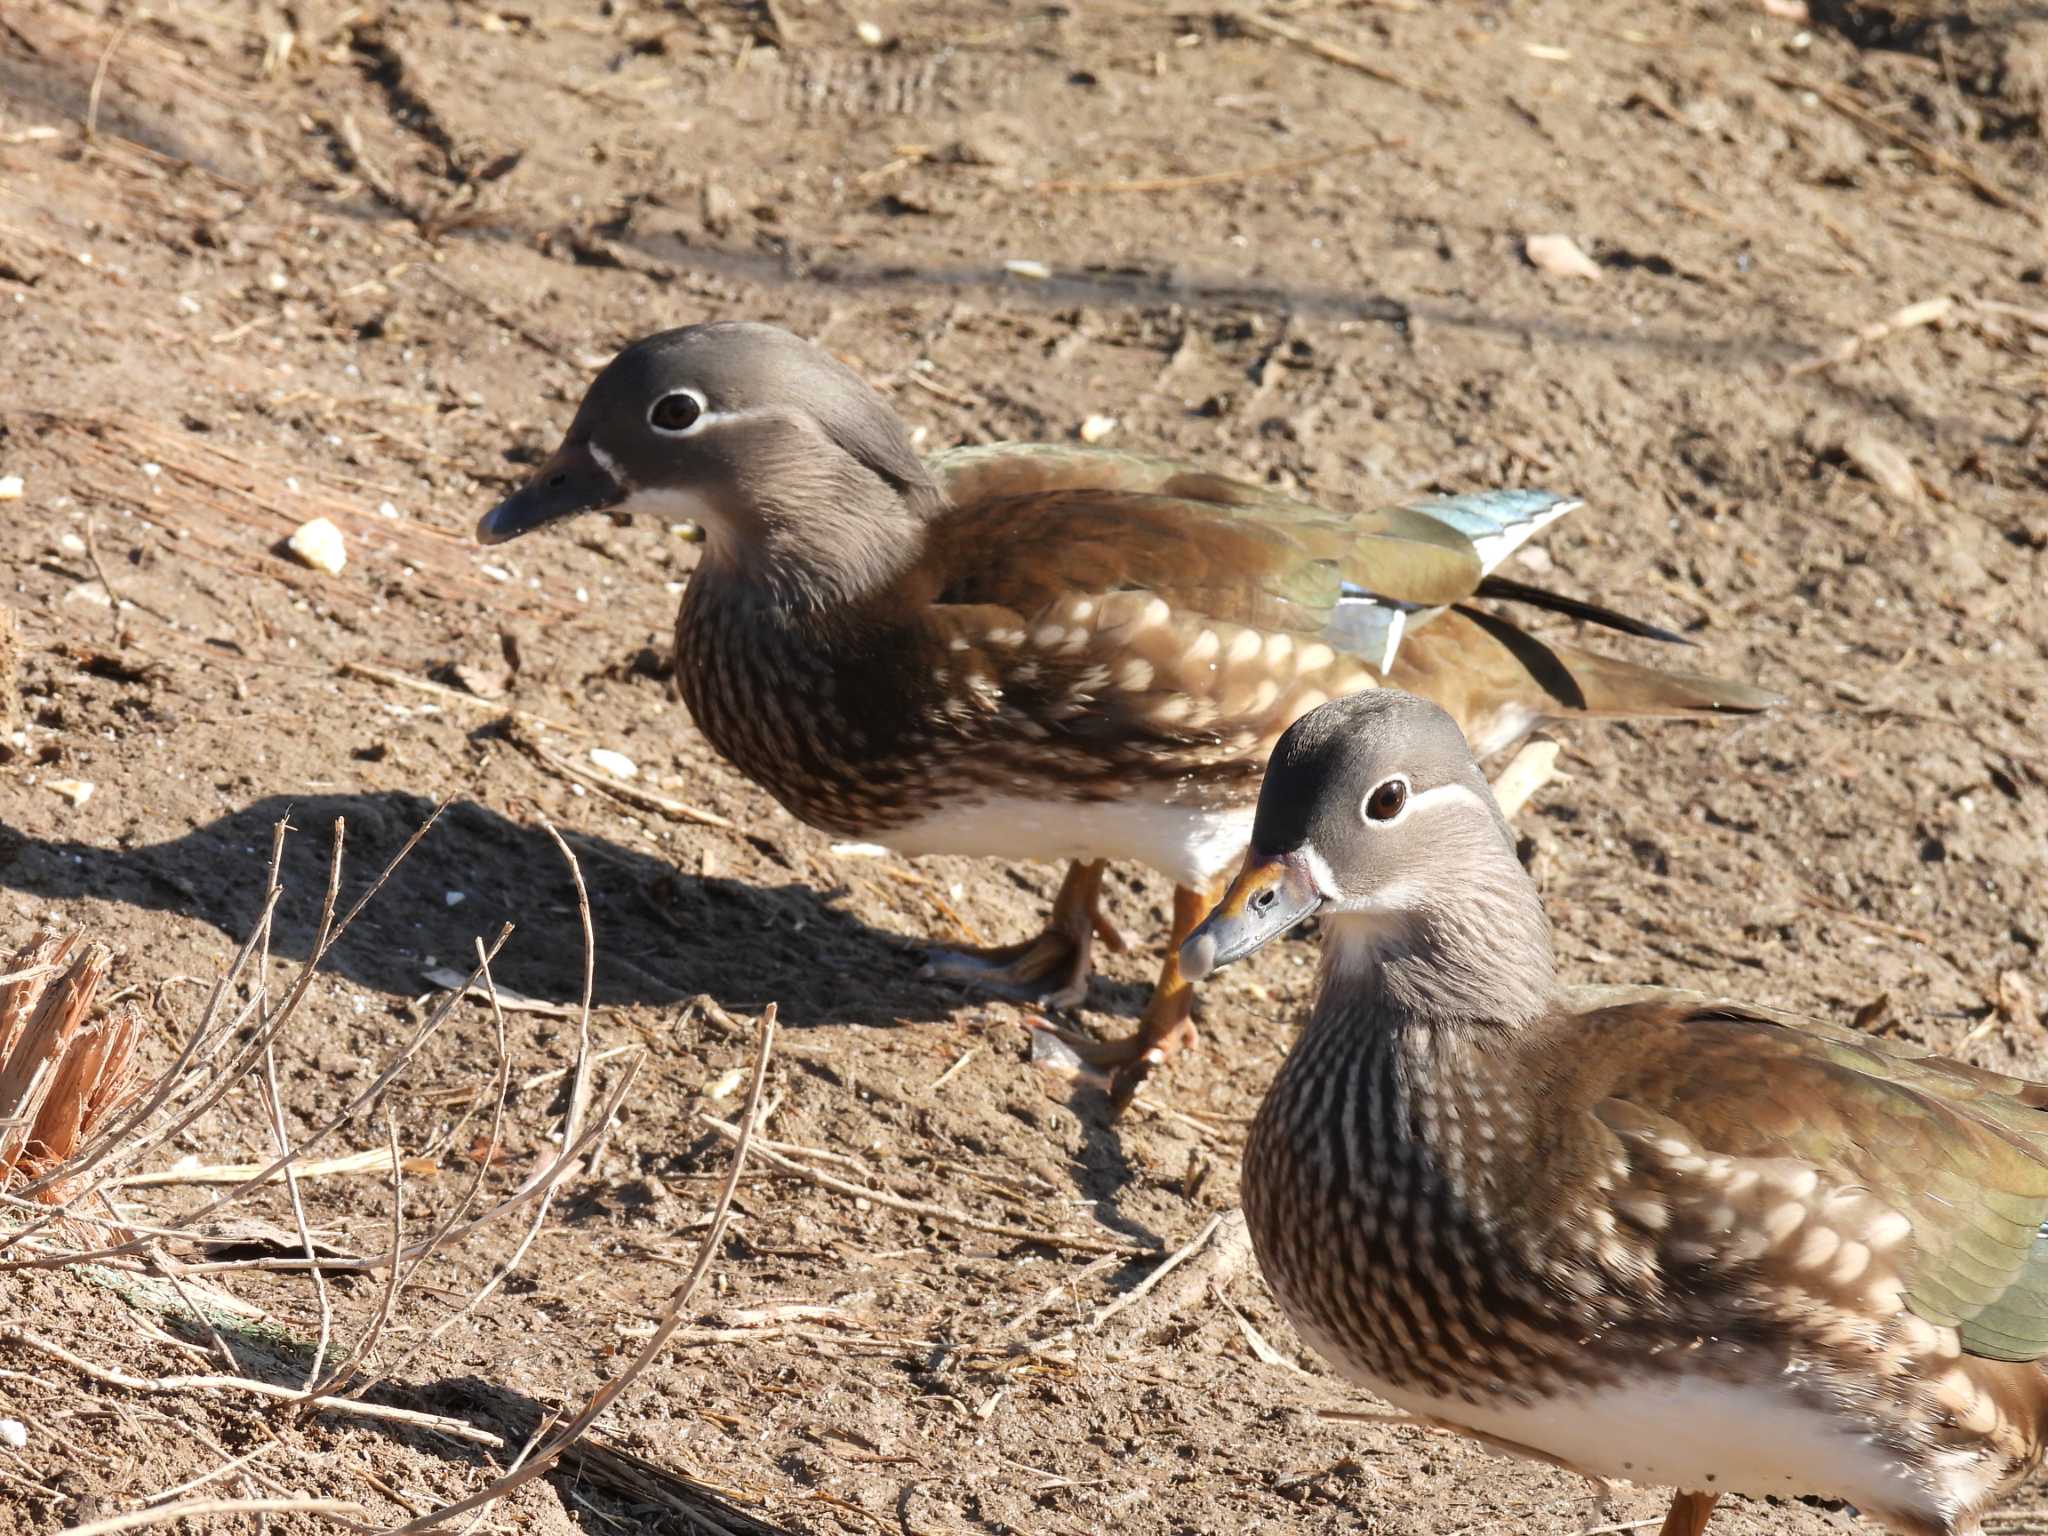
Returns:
<point x="663" y="936"/>
<point x="596" y="1480"/>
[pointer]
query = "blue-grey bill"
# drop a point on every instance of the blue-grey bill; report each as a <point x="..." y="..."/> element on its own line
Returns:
<point x="1271" y="894"/>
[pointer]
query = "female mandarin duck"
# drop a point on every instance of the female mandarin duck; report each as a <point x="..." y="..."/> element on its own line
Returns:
<point x="1041" y="652"/>
<point x="1650" y="1236"/>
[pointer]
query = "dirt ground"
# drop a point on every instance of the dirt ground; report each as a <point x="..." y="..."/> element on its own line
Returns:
<point x="260" y="263"/>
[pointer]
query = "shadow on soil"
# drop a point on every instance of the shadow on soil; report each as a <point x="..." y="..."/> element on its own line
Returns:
<point x="663" y="936"/>
<point x="598" y="1482"/>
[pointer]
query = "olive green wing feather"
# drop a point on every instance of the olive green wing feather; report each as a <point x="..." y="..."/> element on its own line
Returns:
<point x="1961" y="1152"/>
<point x="1064" y="519"/>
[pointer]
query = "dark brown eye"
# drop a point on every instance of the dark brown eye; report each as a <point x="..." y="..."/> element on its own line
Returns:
<point x="1385" y="803"/>
<point x="676" y="413"/>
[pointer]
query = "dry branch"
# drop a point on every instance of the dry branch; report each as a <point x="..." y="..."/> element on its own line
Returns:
<point x="1936" y="158"/>
<point x="192" y="1509"/>
<point x="665" y="1327"/>
<point x="944" y="1215"/>
<point x="1911" y="317"/>
<point x="1251" y="21"/>
<point x="456" y="1429"/>
<point x="224" y="1047"/>
<point x="630" y="794"/>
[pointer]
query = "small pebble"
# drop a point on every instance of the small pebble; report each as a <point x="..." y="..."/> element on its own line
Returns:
<point x="13" y="1434"/>
<point x="1096" y="428"/>
<point x="319" y="545"/>
<point x="617" y="764"/>
<point x="455" y="898"/>
<point x="1024" y="267"/>
<point x="1560" y="256"/>
<point x="871" y="36"/>
<point x="10" y="490"/>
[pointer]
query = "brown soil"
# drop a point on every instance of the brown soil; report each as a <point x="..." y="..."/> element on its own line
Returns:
<point x="377" y="266"/>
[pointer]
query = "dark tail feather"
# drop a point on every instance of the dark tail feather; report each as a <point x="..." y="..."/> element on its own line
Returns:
<point x="1585" y="683"/>
<point x="1510" y="591"/>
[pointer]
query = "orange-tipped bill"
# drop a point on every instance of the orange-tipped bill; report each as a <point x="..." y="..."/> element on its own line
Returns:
<point x="1272" y="893"/>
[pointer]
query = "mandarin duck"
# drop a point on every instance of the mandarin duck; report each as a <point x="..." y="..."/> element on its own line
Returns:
<point x="1039" y="652"/>
<point x="1650" y="1236"/>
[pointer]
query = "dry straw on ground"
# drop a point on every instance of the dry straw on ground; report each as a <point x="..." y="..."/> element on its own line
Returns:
<point x="64" y="1074"/>
<point x="78" y="1113"/>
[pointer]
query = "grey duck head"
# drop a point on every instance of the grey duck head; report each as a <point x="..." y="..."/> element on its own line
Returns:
<point x="797" y="472"/>
<point x="1374" y="814"/>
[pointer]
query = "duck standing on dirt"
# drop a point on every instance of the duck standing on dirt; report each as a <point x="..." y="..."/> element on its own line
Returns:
<point x="1040" y="652"/>
<point x="1650" y="1236"/>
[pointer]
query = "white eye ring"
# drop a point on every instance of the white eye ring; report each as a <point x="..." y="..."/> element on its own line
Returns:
<point x="695" y="423"/>
<point x="1407" y="798"/>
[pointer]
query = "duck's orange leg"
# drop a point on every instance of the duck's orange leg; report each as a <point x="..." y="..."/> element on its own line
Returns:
<point x="1167" y="1025"/>
<point x="1051" y="969"/>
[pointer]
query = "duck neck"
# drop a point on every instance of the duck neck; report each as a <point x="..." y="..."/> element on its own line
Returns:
<point x="823" y="548"/>
<point x="1475" y="960"/>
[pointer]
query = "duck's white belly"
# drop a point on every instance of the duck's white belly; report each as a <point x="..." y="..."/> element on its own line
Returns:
<point x="1704" y="1435"/>
<point x="1188" y="845"/>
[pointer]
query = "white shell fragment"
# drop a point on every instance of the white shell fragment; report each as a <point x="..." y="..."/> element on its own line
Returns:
<point x="77" y="791"/>
<point x="617" y="764"/>
<point x="1885" y="465"/>
<point x="319" y="545"/>
<point x="1560" y="256"/>
<point x="1096" y="428"/>
<point x="1025" y="267"/>
<point x="13" y="1434"/>
<point x="10" y="490"/>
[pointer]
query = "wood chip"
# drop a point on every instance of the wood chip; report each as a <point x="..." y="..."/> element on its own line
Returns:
<point x="77" y="791"/>
<point x="1560" y="256"/>
<point x="319" y="544"/>
<point x="1885" y="465"/>
<point x="512" y="1002"/>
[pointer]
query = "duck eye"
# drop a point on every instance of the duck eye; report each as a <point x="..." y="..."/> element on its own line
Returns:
<point x="1385" y="802"/>
<point x="677" y="412"/>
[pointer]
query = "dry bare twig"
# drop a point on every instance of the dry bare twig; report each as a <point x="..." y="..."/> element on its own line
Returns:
<point x="630" y="794"/>
<point x="1252" y="21"/>
<point x="665" y="1327"/>
<point x="944" y="1215"/>
<point x="1936" y="158"/>
<point x="457" y="1429"/>
<point x="135" y="1519"/>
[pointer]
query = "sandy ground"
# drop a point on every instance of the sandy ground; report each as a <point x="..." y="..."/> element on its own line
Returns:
<point x="358" y="262"/>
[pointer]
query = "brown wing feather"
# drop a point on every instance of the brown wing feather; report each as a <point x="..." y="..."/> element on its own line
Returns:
<point x="1843" y="1163"/>
<point x="1141" y="612"/>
